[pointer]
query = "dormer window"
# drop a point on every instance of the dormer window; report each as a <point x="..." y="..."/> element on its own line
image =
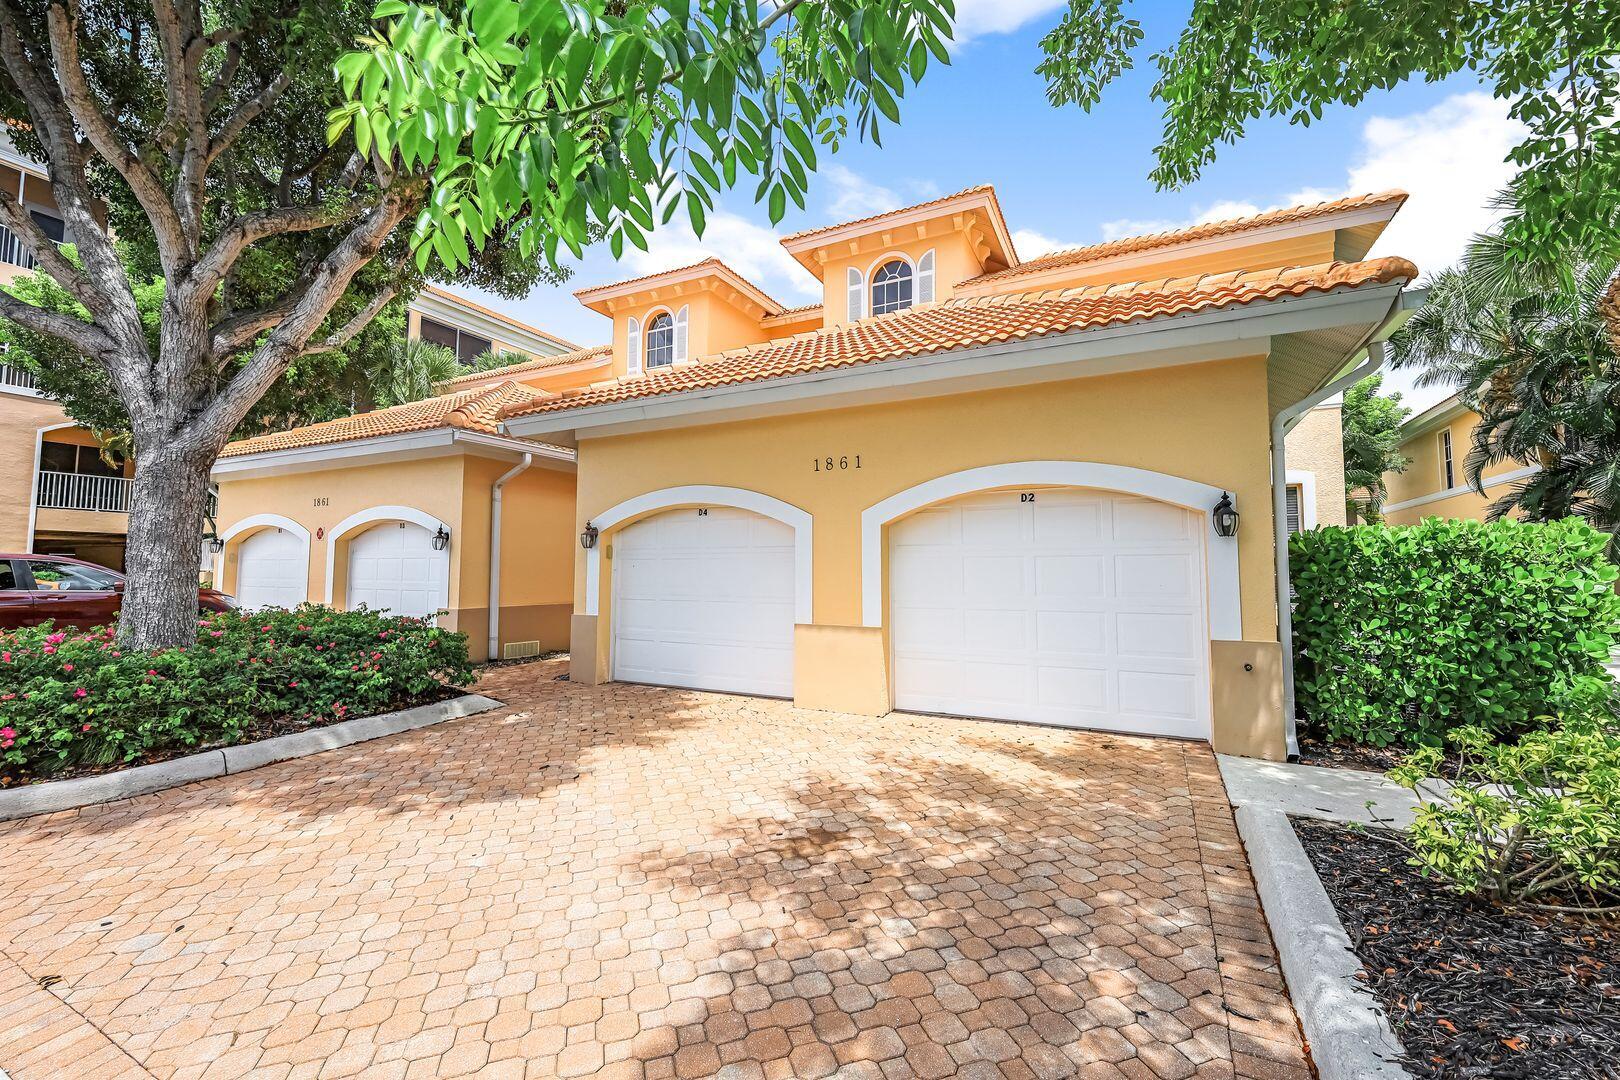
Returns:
<point x="891" y="287"/>
<point x="661" y="340"/>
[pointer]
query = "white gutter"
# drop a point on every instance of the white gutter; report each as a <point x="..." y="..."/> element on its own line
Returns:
<point x="1406" y="301"/>
<point x="495" y="553"/>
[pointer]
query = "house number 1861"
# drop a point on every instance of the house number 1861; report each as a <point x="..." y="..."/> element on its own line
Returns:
<point x="837" y="464"/>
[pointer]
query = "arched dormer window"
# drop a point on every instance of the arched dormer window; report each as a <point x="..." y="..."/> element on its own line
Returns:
<point x="892" y="287"/>
<point x="660" y="340"/>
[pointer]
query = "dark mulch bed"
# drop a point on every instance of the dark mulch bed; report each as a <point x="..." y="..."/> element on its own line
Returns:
<point x="1473" y="991"/>
<point x="1334" y="755"/>
<point x="266" y="729"/>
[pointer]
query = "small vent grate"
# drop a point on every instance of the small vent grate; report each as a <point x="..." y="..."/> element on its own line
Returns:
<point x="520" y="650"/>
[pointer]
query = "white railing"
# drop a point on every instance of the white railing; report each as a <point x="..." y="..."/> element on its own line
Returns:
<point x="17" y="377"/>
<point x="82" y="491"/>
<point x="12" y="250"/>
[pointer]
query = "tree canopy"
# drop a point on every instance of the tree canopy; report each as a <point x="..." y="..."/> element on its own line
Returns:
<point x="1371" y="423"/>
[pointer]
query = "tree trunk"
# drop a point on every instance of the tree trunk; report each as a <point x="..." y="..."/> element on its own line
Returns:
<point x="167" y="509"/>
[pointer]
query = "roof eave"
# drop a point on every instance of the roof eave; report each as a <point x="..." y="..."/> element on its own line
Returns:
<point x="379" y="449"/>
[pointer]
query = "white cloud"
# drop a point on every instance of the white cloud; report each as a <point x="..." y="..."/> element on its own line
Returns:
<point x="849" y="195"/>
<point x="752" y="250"/>
<point x="1031" y="244"/>
<point x="1449" y="158"/>
<point x="976" y="18"/>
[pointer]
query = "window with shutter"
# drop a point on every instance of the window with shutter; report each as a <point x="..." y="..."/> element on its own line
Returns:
<point x="632" y="349"/>
<point x="1293" y="508"/>
<point x="680" y="335"/>
<point x="925" y="278"/>
<point x="660" y="340"/>
<point x="855" y="287"/>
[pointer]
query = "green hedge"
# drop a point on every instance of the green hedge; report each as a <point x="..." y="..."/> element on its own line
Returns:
<point x="1402" y="633"/>
<point x="71" y="697"/>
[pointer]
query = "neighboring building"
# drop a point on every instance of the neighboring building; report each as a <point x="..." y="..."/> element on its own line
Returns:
<point x="1436" y="442"/>
<point x="964" y="482"/>
<point x="1316" y="493"/>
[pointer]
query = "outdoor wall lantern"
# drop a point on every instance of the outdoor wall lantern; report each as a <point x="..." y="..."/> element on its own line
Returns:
<point x="216" y="545"/>
<point x="441" y="539"/>
<point x="587" y="539"/>
<point x="1226" y="516"/>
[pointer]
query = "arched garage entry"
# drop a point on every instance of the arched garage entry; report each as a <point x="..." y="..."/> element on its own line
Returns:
<point x="271" y="554"/>
<point x="383" y="557"/>
<point x="1053" y="592"/>
<point x="708" y="583"/>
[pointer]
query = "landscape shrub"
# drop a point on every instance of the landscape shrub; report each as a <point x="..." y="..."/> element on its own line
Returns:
<point x="72" y="697"/>
<point x="1537" y="821"/>
<point x="1402" y="633"/>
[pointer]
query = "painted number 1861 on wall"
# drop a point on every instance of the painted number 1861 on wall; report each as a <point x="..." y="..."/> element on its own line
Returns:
<point x="841" y="463"/>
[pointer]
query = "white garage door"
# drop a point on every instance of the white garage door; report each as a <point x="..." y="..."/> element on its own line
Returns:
<point x="704" y="599"/>
<point x="272" y="570"/>
<point x="1055" y="606"/>
<point x="393" y="566"/>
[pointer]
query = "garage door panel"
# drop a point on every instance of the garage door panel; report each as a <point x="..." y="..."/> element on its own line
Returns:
<point x="272" y="570"/>
<point x="1079" y="608"/>
<point x="706" y="601"/>
<point x="393" y="567"/>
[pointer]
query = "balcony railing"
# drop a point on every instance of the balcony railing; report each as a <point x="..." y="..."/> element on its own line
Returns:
<point x="17" y="377"/>
<point x="84" y="491"/>
<point x="12" y="250"/>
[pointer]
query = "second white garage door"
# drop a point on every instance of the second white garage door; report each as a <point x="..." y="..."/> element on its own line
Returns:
<point x="1055" y="606"/>
<point x="703" y="598"/>
<point x="272" y="570"/>
<point x="393" y="566"/>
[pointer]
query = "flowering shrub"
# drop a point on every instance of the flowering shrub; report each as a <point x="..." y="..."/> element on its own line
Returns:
<point x="70" y="697"/>
<point x="1528" y="822"/>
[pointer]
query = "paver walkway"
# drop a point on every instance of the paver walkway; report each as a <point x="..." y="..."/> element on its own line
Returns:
<point x="625" y="881"/>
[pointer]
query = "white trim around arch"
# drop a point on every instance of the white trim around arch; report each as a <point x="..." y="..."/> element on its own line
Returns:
<point x="254" y="524"/>
<point x="710" y="495"/>
<point x="382" y="513"/>
<point x="1225" y="601"/>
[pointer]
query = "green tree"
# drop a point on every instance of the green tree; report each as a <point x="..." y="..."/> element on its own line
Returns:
<point x="1372" y="438"/>
<point x="410" y="371"/>
<point x="1530" y="348"/>
<point x="1233" y="63"/>
<point x="492" y="131"/>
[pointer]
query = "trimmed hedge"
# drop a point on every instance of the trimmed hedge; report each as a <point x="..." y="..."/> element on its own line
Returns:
<point x="1402" y="633"/>
<point x="73" y="698"/>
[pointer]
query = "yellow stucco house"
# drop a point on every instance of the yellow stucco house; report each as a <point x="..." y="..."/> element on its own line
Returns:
<point x="1036" y="490"/>
<point x="1435" y="442"/>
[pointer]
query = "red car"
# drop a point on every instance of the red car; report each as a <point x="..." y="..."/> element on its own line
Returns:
<point x="69" y="592"/>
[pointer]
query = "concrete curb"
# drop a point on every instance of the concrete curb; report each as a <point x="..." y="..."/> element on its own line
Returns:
<point x="1349" y="1036"/>
<point x="57" y="795"/>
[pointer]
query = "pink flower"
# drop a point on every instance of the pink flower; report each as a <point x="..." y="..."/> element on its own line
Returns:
<point x="81" y="692"/>
<point x="54" y="639"/>
<point x="67" y="667"/>
<point x="47" y="650"/>
<point x="85" y="728"/>
<point x="264" y="629"/>
<point x="8" y="733"/>
<point x="151" y="673"/>
<point x="293" y="683"/>
<point x="6" y="656"/>
<point x="5" y="744"/>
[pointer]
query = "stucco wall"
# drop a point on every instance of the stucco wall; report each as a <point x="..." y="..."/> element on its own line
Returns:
<point x="1204" y="422"/>
<point x="21" y="417"/>
<point x="1424" y="478"/>
<point x="1316" y="446"/>
<point x="537" y="534"/>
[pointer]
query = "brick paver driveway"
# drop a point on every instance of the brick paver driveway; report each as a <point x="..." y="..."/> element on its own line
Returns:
<point x="626" y="881"/>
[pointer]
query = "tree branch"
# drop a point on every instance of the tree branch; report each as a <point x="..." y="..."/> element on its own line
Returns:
<point x="86" y="112"/>
<point x="245" y="115"/>
<point x="87" y="338"/>
<point x="239" y="328"/>
<point x="14" y="216"/>
<point x="345" y="333"/>
<point x="245" y="231"/>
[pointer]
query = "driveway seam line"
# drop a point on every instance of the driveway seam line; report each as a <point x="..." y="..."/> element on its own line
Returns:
<point x="64" y="1003"/>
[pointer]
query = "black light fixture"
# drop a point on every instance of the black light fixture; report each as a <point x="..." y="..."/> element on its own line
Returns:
<point x="587" y="539"/>
<point x="215" y="544"/>
<point x="1226" y="516"/>
<point x="441" y="539"/>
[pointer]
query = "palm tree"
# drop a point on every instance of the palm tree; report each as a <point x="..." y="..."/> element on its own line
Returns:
<point x="1530" y="349"/>
<point x="1372" y="442"/>
<point x="410" y="371"/>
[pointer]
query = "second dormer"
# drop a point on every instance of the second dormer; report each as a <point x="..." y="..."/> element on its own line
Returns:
<point x="893" y="261"/>
<point x="680" y="315"/>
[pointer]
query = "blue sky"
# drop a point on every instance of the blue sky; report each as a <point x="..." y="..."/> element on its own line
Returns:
<point x="1066" y="177"/>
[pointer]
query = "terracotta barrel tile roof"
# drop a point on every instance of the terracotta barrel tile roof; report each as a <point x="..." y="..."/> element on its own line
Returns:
<point x="478" y="409"/>
<point x="974" y="190"/>
<point x="578" y="356"/>
<point x="1130" y="245"/>
<point x="970" y="322"/>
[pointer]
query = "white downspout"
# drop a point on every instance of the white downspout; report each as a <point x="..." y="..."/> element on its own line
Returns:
<point x="495" y="553"/>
